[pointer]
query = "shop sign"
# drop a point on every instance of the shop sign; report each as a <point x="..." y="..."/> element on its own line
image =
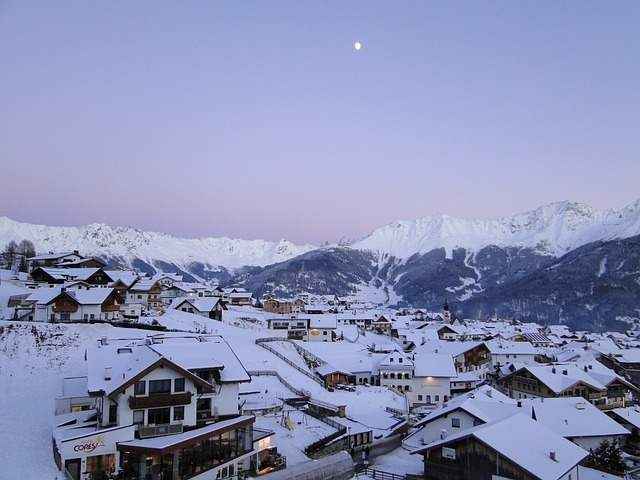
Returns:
<point x="90" y="444"/>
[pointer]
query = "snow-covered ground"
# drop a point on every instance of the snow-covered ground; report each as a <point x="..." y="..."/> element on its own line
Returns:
<point x="35" y="357"/>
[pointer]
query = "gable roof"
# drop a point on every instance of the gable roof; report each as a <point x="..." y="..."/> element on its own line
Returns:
<point x="127" y="365"/>
<point x="531" y="451"/>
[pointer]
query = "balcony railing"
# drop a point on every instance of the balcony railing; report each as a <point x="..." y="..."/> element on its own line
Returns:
<point x="160" y="400"/>
<point x="147" y="431"/>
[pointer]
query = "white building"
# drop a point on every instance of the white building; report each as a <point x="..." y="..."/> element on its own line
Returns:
<point x="163" y="407"/>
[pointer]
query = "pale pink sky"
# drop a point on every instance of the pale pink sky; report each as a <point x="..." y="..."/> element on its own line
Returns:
<point x="261" y="120"/>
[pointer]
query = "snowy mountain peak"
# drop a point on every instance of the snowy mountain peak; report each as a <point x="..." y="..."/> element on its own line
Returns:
<point x="126" y="243"/>
<point x="552" y="229"/>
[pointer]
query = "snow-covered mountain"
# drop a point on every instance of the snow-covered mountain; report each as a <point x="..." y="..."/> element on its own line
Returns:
<point x="553" y="229"/>
<point x="129" y="244"/>
<point x="562" y="262"/>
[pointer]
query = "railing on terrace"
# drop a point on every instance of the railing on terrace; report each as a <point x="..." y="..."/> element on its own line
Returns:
<point x="147" y="431"/>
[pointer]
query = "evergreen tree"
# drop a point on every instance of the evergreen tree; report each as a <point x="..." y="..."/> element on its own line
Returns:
<point x="607" y="457"/>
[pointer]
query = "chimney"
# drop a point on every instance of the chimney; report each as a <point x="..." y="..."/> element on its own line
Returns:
<point x="107" y="373"/>
<point x="565" y="372"/>
<point x="552" y="456"/>
<point x="553" y="370"/>
<point x="104" y="341"/>
<point x="519" y="403"/>
<point x="443" y="434"/>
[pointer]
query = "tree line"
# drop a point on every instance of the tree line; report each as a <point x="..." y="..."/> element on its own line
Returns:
<point x="14" y="255"/>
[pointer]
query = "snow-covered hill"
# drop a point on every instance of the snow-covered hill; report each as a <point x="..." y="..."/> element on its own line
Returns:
<point x="553" y="229"/>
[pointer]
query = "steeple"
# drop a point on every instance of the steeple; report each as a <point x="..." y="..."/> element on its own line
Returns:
<point x="447" y="313"/>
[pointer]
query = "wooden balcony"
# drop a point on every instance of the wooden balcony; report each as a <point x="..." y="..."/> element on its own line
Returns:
<point x="161" y="400"/>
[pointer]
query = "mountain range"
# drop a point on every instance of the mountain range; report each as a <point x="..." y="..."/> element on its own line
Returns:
<point x="564" y="262"/>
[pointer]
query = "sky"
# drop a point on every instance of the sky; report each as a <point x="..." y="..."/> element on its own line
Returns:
<point x="260" y="120"/>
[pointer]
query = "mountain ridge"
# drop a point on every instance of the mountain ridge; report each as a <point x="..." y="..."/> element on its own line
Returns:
<point x="551" y="229"/>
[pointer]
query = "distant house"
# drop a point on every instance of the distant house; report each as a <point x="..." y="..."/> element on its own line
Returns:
<point x="74" y="304"/>
<point x="52" y="259"/>
<point x="498" y="450"/>
<point x="294" y="325"/>
<point x="322" y="328"/>
<point x="58" y="276"/>
<point x="146" y="292"/>
<point x="274" y="305"/>
<point x="209" y="307"/>
<point x="505" y="353"/>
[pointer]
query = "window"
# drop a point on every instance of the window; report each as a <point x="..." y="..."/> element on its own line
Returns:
<point x="139" y="388"/>
<point x="178" y="385"/>
<point x="400" y="360"/>
<point x="138" y="417"/>
<point x="178" y="413"/>
<point x="455" y="422"/>
<point x="419" y="398"/>
<point x="437" y="398"/>
<point x="159" y="416"/>
<point x="392" y="375"/>
<point x="159" y="386"/>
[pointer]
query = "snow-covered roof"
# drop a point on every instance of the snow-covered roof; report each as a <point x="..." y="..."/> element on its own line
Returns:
<point x="434" y="365"/>
<point x="91" y="296"/>
<point x="573" y="418"/>
<point x="500" y="347"/>
<point x="531" y="452"/>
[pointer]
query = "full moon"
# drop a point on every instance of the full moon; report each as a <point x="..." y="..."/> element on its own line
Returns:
<point x="357" y="45"/>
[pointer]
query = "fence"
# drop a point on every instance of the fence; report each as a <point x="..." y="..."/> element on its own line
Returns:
<point x="262" y="342"/>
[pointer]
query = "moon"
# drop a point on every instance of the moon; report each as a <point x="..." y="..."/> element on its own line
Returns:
<point x="358" y="46"/>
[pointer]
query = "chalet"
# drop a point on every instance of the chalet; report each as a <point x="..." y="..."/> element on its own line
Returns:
<point x="52" y="259"/>
<point x="146" y="292"/>
<point x="497" y="450"/>
<point x="241" y="298"/>
<point x="74" y="304"/>
<point x="471" y="357"/>
<point x="594" y="382"/>
<point x="208" y="307"/>
<point x="505" y="353"/>
<point x="295" y="326"/>
<point x="58" y="276"/>
<point x="273" y="305"/>
<point x="572" y="418"/>
<point x="163" y="408"/>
